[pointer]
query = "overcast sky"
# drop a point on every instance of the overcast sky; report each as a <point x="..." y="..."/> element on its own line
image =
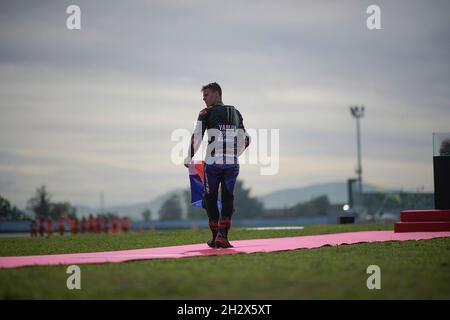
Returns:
<point x="91" y="110"/>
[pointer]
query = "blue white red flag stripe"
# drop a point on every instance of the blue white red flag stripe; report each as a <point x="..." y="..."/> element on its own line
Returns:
<point x="197" y="181"/>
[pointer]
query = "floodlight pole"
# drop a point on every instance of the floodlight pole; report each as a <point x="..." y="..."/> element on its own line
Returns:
<point x="357" y="113"/>
<point x="102" y="202"/>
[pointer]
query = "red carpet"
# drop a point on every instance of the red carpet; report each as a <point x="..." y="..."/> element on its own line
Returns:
<point x="195" y="250"/>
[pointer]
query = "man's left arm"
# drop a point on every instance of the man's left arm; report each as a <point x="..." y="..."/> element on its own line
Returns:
<point x="197" y="136"/>
<point x="243" y="137"/>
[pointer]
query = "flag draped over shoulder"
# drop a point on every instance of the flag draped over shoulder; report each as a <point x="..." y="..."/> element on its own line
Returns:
<point x="197" y="181"/>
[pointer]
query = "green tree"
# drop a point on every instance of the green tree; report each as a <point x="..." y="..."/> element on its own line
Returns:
<point x="171" y="208"/>
<point x="146" y="214"/>
<point x="62" y="209"/>
<point x="245" y="205"/>
<point x="10" y="213"/>
<point x="40" y="203"/>
<point x="5" y="209"/>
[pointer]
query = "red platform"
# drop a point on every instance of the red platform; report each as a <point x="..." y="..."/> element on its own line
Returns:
<point x="423" y="221"/>
<point x="424" y="215"/>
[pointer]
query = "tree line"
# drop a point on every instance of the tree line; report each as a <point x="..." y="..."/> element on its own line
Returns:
<point x="40" y="204"/>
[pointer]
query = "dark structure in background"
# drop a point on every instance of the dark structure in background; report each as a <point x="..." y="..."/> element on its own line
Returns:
<point x="350" y="183"/>
<point x="441" y="170"/>
<point x="441" y="167"/>
<point x="349" y="217"/>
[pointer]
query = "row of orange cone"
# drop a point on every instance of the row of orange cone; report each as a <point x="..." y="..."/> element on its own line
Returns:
<point x="92" y="224"/>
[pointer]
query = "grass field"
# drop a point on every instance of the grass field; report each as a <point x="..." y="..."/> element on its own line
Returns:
<point x="409" y="269"/>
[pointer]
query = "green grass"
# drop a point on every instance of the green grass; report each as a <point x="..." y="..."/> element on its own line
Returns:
<point x="409" y="269"/>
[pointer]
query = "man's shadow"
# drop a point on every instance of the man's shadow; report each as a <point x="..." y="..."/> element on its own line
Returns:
<point x="208" y="251"/>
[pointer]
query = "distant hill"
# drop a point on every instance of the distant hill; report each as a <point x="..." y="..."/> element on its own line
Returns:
<point x="336" y="192"/>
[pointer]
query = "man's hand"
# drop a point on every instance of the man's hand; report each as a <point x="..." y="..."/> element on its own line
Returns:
<point x="187" y="161"/>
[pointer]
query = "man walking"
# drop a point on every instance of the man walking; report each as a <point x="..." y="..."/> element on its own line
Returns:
<point x="227" y="140"/>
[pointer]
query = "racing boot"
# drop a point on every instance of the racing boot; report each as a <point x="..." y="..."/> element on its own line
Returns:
<point x="222" y="234"/>
<point x="214" y="226"/>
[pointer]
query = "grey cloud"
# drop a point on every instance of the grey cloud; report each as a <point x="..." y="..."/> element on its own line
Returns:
<point x="81" y="182"/>
<point x="260" y="51"/>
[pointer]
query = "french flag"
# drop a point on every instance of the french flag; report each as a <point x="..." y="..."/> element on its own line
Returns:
<point x="197" y="181"/>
